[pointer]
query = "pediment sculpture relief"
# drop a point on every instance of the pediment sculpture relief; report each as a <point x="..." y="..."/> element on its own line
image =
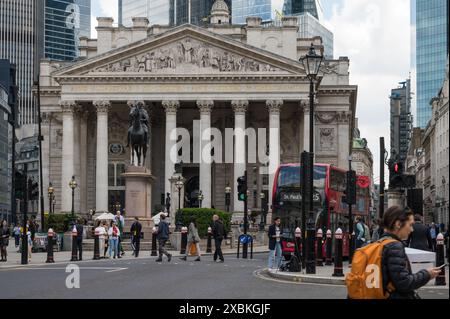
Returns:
<point x="186" y="54"/>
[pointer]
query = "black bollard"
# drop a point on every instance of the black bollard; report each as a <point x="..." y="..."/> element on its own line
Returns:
<point x="329" y="258"/>
<point x="50" y="236"/>
<point x="208" y="242"/>
<point x="74" y="245"/>
<point x="440" y="260"/>
<point x="298" y="243"/>
<point x="154" y="252"/>
<point x="184" y="233"/>
<point x="338" y="271"/>
<point x="96" y="245"/>
<point x="319" y="237"/>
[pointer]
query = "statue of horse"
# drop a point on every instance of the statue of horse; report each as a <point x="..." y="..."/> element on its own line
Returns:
<point x="137" y="137"/>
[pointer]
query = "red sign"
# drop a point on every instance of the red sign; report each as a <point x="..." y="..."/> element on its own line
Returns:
<point x="363" y="181"/>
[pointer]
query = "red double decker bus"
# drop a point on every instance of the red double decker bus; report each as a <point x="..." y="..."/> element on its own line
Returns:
<point x="330" y="212"/>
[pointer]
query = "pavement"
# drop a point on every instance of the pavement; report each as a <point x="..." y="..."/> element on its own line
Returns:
<point x="142" y="278"/>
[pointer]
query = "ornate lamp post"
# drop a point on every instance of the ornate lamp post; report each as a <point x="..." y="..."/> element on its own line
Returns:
<point x="117" y="206"/>
<point x="179" y="184"/>
<point x="311" y="62"/>
<point x="200" y="198"/>
<point x="227" y="197"/>
<point x="73" y="184"/>
<point x="51" y="197"/>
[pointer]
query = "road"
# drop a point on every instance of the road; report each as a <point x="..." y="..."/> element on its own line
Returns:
<point x="143" y="278"/>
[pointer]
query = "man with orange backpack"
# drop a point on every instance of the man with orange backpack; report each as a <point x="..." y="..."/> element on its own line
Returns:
<point x="382" y="270"/>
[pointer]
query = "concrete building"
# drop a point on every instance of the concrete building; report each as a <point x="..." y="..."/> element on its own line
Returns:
<point x="220" y="76"/>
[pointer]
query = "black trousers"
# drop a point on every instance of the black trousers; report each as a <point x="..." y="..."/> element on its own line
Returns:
<point x="218" y="249"/>
<point x="136" y="244"/>
<point x="80" y="248"/>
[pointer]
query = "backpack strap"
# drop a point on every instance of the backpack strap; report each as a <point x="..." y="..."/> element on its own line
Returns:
<point x="385" y="241"/>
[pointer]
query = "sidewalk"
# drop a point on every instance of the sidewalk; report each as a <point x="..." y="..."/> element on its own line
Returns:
<point x="14" y="258"/>
<point x="324" y="275"/>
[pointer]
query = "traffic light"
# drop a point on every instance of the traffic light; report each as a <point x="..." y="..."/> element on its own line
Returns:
<point x="19" y="181"/>
<point x="34" y="191"/>
<point x="242" y="188"/>
<point x="350" y="190"/>
<point x="397" y="177"/>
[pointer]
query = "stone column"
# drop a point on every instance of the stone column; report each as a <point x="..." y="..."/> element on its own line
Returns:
<point x="45" y="130"/>
<point x="171" y="108"/>
<point x="67" y="163"/>
<point x="205" y="108"/>
<point x="240" y="108"/>
<point x="344" y="138"/>
<point x="77" y="156"/>
<point x="274" y="107"/>
<point x="83" y="161"/>
<point x="101" y="176"/>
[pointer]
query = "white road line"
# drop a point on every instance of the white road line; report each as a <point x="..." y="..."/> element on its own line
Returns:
<point x="120" y="269"/>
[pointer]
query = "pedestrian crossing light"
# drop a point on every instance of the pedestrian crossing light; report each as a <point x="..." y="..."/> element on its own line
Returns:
<point x="242" y="188"/>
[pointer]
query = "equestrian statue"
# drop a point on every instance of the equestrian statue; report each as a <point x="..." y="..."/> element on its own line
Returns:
<point x="138" y="132"/>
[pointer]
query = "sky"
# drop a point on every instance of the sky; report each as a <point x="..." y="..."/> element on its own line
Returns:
<point x="376" y="36"/>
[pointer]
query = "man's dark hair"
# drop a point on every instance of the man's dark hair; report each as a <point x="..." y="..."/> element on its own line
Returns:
<point x="394" y="214"/>
<point x="163" y="216"/>
<point x="417" y="218"/>
<point x="276" y="218"/>
<point x="136" y="218"/>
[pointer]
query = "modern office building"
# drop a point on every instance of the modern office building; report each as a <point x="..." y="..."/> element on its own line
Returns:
<point x="265" y="9"/>
<point x="65" y="22"/>
<point x="431" y="21"/>
<point x="294" y="7"/>
<point x="20" y="35"/>
<point x="199" y="12"/>
<point x="401" y="121"/>
<point x="310" y="26"/>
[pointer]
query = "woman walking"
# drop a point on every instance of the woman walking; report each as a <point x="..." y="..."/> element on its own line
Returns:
<point x="4" y="239"/>
<point x="193" y="239"/>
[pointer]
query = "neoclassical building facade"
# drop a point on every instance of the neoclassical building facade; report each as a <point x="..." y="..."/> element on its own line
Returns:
<point x="222" y="76"/>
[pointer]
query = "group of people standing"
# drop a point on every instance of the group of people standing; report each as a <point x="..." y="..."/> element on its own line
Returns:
<point x="110" y="236"/>
<point x="17" y="231"/>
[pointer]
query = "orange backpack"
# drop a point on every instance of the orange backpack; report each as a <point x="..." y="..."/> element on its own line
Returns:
<point x="365" y="279"/>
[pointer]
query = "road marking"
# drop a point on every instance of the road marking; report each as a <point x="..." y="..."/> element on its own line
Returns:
<point x="120" y="269"/>
<point x="257" y="273"/>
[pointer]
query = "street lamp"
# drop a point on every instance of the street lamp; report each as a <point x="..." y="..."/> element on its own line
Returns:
<point x="311" y="61"/>
<point x="179" y="184"/>
<point x="227" y="197"/>
<point x="117" y="206"/>
<point x="73" y="184"/>
<point x="200" y="199"/>
<point x="51" y="197"/>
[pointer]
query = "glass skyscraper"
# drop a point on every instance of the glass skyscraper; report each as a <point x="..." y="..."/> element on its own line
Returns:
<point x="294" y="7"/>
<point x="65" y="22"/>
<point x="310" y="26"/>
<point x="431" y="53"/>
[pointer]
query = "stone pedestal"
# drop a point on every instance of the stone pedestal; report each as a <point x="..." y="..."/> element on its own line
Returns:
<point x="138" y="195"/>
<point x="395" y="198"/>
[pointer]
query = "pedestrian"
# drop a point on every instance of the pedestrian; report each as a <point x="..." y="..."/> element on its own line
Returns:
<point x="367" y="237"/>
<point x="16" y="232"/>
<point x="100" y="230"/>
<point x="420" y="238"/>
<point x="4" y="239"/>
<point x="79" y="228"/>
<point x="359" y="233"/>
<point x="30" y="243"/>
<point x="218" y="234"/>
<point x="135" y="231"/>
<point x="120" y="222"/>
<point x="32" y="227"/>
<point x="106" y="247"/>
<point x="377" y="230"/>
<point x="193" y="239"/>
<point x="274" y="234"/>
<point x="447" y="251"/>
<point x="114" y="234"/>
<point x="396" y="268"/>
<point x="162" y="236"/>
<point x="433" y="234"/>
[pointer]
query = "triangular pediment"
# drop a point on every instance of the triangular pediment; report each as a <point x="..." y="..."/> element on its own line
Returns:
<point x="185" y="50"/>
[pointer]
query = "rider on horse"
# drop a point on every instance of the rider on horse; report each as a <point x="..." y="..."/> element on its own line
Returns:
<point x="144" y="118"/>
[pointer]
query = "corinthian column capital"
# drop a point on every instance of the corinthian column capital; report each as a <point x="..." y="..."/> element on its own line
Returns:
<point x="274" y="106"/>
<point x="68" y="106"/>
<point x="171" y="106"/>
<point x="239" y="106"/>
<point x="102" y="106"/>
<point x="205" y="106"/>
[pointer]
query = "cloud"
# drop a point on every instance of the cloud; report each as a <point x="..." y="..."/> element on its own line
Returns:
<point x="103" y="8"/>
<point x="375" y="35"/>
